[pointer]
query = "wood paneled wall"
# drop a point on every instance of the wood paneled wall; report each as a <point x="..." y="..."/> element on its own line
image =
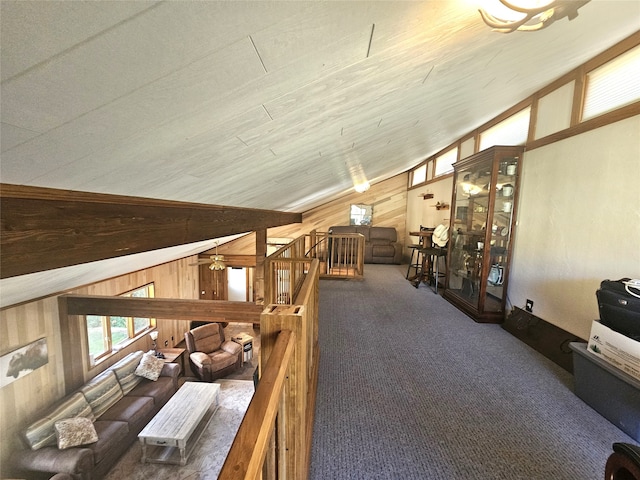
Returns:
<point x="389" y="200"/>
<point x="21" y="400"/>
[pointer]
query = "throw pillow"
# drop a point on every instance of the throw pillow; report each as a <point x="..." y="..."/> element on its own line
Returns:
<point x="73" y="432"/>
<point x="42" y="433"/>
<point x="150" y="367"/>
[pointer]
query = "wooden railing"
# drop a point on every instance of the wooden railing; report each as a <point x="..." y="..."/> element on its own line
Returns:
<point x="340" y="256"/>
<point x="274" y="439"/>
<point x="252" y="442"/>
<point x="285" y="271"/>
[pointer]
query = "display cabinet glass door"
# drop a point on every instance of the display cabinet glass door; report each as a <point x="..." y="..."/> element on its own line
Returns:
<point x="482" y="221"/>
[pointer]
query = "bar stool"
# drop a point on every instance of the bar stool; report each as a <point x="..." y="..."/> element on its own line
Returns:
<point x="415" y="250"/>
<point x="435" y="253"/>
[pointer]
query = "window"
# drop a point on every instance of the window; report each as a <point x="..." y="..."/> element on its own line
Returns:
<point x="106" y="335"/>
<point x="511" y="131"/>
<point x="360" y="214"/>
<point x="444" y="163"/>
<point x="613" y="85"/>
<point x="419" y="175"/>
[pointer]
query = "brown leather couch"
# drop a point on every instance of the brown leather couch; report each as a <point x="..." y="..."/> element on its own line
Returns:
<point x="380" y="243"/>
<point x="133" y="401"/>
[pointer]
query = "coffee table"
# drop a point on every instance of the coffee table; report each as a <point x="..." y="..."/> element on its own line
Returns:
<point x="172" y="434"/>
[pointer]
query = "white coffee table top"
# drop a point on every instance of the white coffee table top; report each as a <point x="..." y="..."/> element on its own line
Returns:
<point x="180" y="416"/>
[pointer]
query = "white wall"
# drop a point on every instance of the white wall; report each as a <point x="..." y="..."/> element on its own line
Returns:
<point x="578" y="223"/>
<point x="422" y="212"/>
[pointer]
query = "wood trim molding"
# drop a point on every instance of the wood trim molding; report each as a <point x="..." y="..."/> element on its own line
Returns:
<point x="591" y="124"/>
<point x="544" y="337"/>
<point x="45" y="228"/>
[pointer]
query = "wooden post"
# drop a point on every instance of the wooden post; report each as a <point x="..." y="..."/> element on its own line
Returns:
<point x="292" y="417"/>
<point x="258" y="277"/>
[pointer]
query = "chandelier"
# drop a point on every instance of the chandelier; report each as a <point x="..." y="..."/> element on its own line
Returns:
<point x="528" y="15"/>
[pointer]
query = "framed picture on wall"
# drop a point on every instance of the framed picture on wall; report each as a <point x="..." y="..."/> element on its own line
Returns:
<point x="23" y="361"/>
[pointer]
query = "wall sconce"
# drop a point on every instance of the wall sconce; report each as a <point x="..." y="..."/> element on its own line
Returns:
<point x="527" y="15"/>
<point x="154" y="337"/>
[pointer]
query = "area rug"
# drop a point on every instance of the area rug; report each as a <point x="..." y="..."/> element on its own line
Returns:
<point x="209" y="454"/>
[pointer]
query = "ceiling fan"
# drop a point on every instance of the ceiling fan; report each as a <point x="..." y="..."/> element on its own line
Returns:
<point x="216" y="262"/>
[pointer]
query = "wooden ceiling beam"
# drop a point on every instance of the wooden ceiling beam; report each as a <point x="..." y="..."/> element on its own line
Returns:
<point x="44" y="228"/>
<point x="166" y="308"/>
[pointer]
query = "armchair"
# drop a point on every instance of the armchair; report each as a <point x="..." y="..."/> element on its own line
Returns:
<point x="210" y="356"/>
<point x="623" y="463"/>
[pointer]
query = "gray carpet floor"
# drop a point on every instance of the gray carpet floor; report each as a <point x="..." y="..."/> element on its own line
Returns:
<point x="411" y="388"/>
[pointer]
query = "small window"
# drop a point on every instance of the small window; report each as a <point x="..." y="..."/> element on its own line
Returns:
<point x="360" y="214"/>
<point x="511" y="131"/>
<point x="106" y="335"/>
<point x="444" y="163"/>
<point x="419" y="175"/>
<point x="613" y="85"/>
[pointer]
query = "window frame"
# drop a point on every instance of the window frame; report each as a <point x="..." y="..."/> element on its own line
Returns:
<point x="107" y="335"/>
<point x="597" y="85"/>
<point x="445" y="157"/>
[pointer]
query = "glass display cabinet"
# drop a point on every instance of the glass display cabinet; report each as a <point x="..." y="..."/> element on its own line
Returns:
<point x="483" y="212"/>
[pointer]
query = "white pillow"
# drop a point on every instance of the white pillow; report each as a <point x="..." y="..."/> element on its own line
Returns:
<point x="73" y="432"/>
<point x="150" y="367"/>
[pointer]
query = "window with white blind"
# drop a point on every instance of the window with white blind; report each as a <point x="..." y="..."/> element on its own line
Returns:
<point x="511" y="131"/>
<point x="613" y="85"/>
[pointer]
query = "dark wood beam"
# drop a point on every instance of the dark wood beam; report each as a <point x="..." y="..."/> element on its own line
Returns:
<point x="44" y="228"/>
<point x="166" y="308"/>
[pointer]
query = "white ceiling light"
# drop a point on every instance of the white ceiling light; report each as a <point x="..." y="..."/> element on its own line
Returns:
<point x="361" y="187"/>
<point x="506" y="16"/>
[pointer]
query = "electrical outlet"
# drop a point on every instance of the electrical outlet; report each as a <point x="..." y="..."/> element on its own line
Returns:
<point x="529" y="305"/>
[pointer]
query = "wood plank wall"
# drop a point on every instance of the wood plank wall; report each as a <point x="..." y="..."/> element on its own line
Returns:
<point x="21" y="400"/>
<point x="389" y="200"/>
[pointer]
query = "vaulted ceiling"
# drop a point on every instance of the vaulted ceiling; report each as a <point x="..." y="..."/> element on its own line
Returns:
<point x="271" y="105"/>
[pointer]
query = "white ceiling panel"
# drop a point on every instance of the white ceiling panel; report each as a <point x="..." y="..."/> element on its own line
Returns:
<point x="34" y="31"/>
<point x="12" y="136"/>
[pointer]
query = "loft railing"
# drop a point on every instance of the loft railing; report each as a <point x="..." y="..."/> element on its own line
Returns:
<point x="340" y="256"/>
<point x="274" y="438"/>
<point x="285" y="271"/>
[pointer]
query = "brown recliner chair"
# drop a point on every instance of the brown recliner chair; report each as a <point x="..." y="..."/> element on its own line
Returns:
<point x="210" y="356"/>
<point x="623" y="463"/>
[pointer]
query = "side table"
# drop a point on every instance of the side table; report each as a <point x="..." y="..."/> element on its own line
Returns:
<point x="174" y="355"/>
<point x="246" y="341"/>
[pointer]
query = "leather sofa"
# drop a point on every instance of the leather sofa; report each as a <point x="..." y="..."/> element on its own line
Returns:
<point x="119" y="401"/>
<point x="380" y="243"/>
